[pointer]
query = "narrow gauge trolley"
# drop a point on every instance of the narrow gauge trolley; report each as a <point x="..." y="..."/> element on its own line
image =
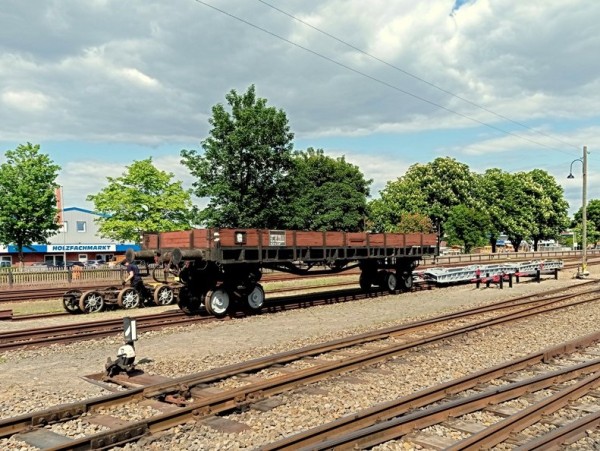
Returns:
<point x="97" y="299"/>
<point x="219" y="267"/>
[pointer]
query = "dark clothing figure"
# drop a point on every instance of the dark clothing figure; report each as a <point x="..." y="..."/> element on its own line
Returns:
<point x="135" y="280"/>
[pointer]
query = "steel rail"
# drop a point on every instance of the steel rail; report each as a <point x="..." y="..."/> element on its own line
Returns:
<point x="500" y="431"/>
<point x="399" y="426"/>
<point x="569" y="433"/>
<point x="75" y="332"/>
<point x="90" y="330"/>
<point x="388" y="410"/>
<point x="233" y="398"/>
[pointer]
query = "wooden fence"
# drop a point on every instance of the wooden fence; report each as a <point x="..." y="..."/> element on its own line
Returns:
<point x="10" y="277"/>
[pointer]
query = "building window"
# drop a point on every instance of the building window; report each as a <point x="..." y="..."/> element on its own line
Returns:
<point x="81" y="226"/>
<point x="54" y="260"/>
<point x="105" y="257"/>
<point x="65" y="227"/>
<point x="5" y="261"/>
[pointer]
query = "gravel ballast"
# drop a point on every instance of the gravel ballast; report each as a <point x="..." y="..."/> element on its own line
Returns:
<point x="37" y="379"/>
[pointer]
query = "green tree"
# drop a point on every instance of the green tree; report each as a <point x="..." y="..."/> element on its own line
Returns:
<point x="329" y="193"/>
<point x="492" y="188"/>
<point x="431" y="189"/>
<point x="245" y="165"/>
<point x="508" y="199"/>
<point x="27" y="197"/>
<point x="467" y="227"/>
<point x="518" y="204"/>
<point x="550" y="208"/>
<point x="593" y="236"/>
<point x="592" y="214"/>
<point x="414" y="223"/>
<point x="142" y="199"/>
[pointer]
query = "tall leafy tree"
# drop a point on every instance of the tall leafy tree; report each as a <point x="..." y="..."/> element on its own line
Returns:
<point x="432" y="189"/>
<point x="592" y="234"/>
<point x="467" y="227"/>
<point x="592" y="213"/>
<point x="329" y="193"/>
<point x="27" y="197"/>
<point x="550" y="208"/>
<point x="414" y="223"/>
<point x="494" y="191"/>
<point x="245" y="164"/>
<point x="144" y="198"/>
<point x="517" y="202"/>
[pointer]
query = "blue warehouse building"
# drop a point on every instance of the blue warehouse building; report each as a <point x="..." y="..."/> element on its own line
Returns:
<point x="77" y="240"/>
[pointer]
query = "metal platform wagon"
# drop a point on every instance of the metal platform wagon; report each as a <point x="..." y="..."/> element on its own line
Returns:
<point x="221" y="267"/>
<point x="484" y="273"/>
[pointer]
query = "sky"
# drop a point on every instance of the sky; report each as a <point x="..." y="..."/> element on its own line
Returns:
<point x="100" y="84"/>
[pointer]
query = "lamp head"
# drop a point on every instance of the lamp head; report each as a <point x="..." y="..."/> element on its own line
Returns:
<point x="570" y="176"/>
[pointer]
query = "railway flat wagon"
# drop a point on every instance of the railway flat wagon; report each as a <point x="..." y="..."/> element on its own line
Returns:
<point x="219" y="267"/>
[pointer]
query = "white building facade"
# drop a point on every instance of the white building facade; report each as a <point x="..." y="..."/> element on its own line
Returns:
<point x="78" y="240"/>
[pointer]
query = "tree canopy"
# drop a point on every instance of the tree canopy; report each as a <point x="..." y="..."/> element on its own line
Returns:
<point x="329" y="193"/>
<point x="431" y="189"/>
<point x="550" y="209"/>
<point x="144" y="198"/>
<point x="245" y="164"/>
<point x="592" y="214"/>
<point x="468" y="227"/>
<point x="28" y="212"/>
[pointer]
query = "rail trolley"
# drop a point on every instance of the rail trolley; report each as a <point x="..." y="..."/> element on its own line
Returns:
<point x="95" y="300"/>
<point x="217" y="268"/>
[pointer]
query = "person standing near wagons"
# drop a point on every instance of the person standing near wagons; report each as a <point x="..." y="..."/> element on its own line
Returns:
<point x="135" y="280"/>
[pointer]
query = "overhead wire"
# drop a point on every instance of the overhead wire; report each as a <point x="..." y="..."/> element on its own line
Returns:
<point x="377" y="80"/>
<point x="416" y="77"/>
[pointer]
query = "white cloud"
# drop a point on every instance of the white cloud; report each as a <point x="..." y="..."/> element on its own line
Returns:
<point x="138" y="78"/>
<point x="26" y="101"/>
<point x="148" y="73"/>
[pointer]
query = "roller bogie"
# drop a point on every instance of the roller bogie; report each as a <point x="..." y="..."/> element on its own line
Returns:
<point x="91" y="302"/>
<point x="71" y="301"/>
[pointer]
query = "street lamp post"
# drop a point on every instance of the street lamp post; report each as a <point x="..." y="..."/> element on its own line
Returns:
<point x="583" y="160"/>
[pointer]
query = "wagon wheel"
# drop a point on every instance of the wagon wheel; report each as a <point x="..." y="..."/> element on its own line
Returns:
<point x="128" y="298"/>
<point x="406" y="280"/>
<point x="217" y="302"/>
<point x="163" y="295"/>
<point x="256" y="298"/>
<point x="91" y="302"/>
<point x="390" y="281"/>
<point x="187" y="302"/>
<point x="71" y="301"/>
<point x="365" y="281"/>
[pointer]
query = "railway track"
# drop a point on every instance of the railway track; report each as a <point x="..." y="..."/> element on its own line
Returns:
<point x="45" y="336"/>
<point x="490" y="393"/>
<point x="28" y="294"/>
<point x="202" y="395"/>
